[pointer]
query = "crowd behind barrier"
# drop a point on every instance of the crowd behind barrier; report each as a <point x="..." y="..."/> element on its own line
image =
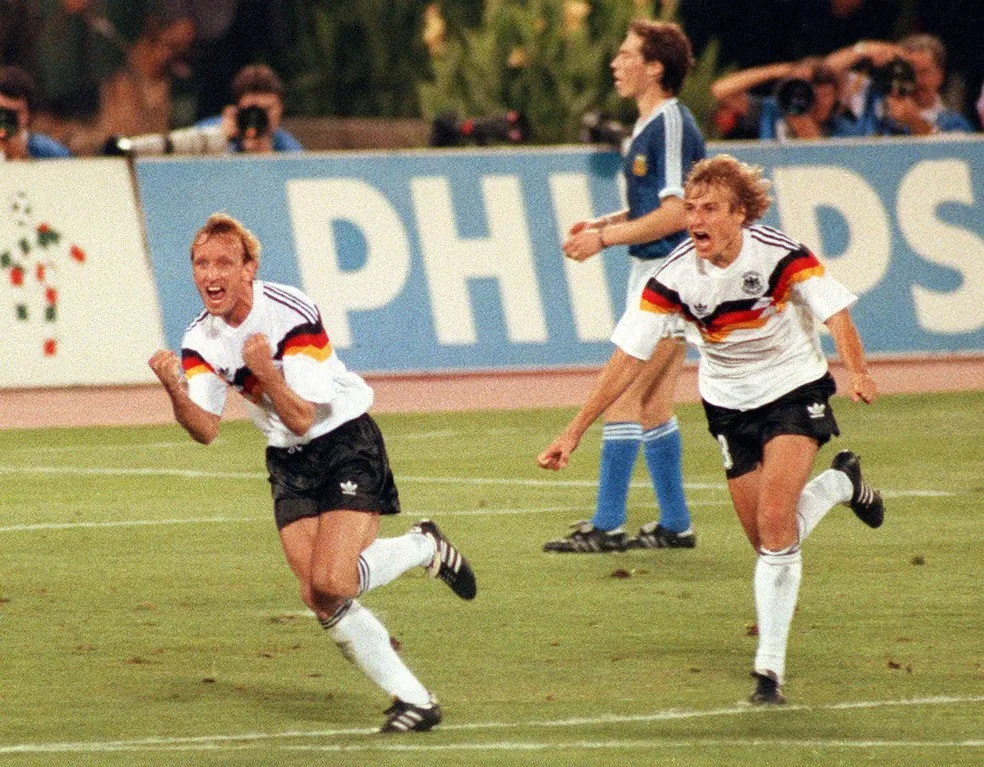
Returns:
<point x="450" y="260"/>
<point x="112" y="68"/>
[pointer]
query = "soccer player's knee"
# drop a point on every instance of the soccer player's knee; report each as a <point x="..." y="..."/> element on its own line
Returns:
<point x="333" y="590"/>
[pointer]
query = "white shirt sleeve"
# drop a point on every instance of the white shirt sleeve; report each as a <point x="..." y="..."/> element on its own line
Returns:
<point x="638" y="332"/>
<point x="208" y="391"/>
<point x="825" y="296"/>
<point x="310" y="377"/>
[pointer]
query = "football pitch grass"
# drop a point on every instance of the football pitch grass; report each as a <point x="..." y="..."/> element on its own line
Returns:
<point x="147" y="615"/>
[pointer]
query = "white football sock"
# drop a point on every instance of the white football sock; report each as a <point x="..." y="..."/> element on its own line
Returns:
<point x="777" y="581"/>
<point x="819" y="496"/>
<point x="388" y="558"/>
<point x="365" y="642"/>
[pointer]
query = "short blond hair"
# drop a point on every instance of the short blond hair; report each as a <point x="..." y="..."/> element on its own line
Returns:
<point x="223" y="225"/>
<point x="749" y="190"/>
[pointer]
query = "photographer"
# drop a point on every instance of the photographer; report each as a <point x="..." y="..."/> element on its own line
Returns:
<point x="252" y="124"/>
<point x="17" y="97"/>
<point x="801" y="102"/>
<point x="894" y="90"/>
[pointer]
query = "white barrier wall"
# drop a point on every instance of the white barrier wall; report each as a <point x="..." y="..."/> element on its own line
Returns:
<point x="78" y="304"/>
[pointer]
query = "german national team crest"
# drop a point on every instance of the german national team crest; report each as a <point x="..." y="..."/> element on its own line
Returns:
<point x="752" y="283"/>
<point x="639" y="165"/>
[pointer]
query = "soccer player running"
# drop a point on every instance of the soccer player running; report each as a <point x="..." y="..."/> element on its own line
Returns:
<point x="753" y="295"/>
<point x="327" y="462"/>
<point x="649" y="68"/>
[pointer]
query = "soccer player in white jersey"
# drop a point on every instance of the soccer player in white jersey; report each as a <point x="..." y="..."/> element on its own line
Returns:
<point x="753" y="295"/>
<point x="649" y="68"/>
<point x="328" y="468"/>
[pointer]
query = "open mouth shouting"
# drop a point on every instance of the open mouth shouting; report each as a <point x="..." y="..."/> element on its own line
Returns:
<point x="214" y="295"/>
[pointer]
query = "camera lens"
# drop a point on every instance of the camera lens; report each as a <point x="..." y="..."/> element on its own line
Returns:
<point x="8" y="122"/>
<point x="253" y="117"/>
<point x="794" y="96"/>
<point x="896" y="78"/>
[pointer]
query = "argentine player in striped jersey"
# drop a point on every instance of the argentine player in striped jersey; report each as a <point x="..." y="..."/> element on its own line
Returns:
<point x="650" y="67"/>
<point x="327" y="462"/>
<point x="753" y="297"/>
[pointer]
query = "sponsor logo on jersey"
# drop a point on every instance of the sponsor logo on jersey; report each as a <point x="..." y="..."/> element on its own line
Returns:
<point x="639" y="165"/>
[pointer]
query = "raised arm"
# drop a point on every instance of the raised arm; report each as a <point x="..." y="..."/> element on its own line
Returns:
<point x="879" y="51"/>
<point x="296" y="412"/>
<point x="745" y="79"/>
<point x="618" y="229"/>
<point x="202" y="425"/>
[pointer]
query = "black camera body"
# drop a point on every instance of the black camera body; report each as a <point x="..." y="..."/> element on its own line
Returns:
<point x="253" y="117"/>
<point x="894" y="78"/>
<point x="9" y="122"/>
<point x="596" y="128"/>
<point x="448" y="130"/>
<point x="795" y="96"/>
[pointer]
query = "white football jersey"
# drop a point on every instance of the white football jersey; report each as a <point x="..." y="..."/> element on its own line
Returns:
<point x="211" y="356"/>
<point x="755" y="320"/>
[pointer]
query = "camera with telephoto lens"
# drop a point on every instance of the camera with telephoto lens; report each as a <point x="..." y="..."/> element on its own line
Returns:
<point x="253" y="117"/>
<point x="795" y="96"/>
<point x="596" y="128"/>
<point x="894" y="78"/>
<point x="196" y="141"/>
<point x="448" y="130"/>
<point x="9" y="122"/>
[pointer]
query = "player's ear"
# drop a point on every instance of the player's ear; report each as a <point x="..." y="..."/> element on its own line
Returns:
<point x="655" y="70"/>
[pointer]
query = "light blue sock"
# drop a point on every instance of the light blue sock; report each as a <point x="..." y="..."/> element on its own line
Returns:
<point x="663" y="449"/>
<point x="619" y="448"/>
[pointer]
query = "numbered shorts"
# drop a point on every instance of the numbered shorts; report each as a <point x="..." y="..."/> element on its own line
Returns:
<point x="742" y="434"/>
<point x="347" y="468"/>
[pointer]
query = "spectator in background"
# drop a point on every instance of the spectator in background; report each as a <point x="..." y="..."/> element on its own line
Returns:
<point x="17" y="96"/>
<point x="138" y="99"/>
<point x="252" y="123"/>
<point x="803" y="102"/>
<point x="894" y="89"/>
<point x="959" y="25"/>
<point x="230" y="35"/>
<point x="924" y="111"/>
<point x="105" y="68"/>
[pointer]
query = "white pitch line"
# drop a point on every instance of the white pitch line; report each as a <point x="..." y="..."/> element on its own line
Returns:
<point x="485" y="512"/>
<point x="109" y="471"/>
<point x="238" y="740"/>
<point x="105" y="447"/>
<point x="625" y="745"/>
<point x="125" y="523"/>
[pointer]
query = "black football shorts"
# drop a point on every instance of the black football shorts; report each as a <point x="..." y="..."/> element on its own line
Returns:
<point x="742" y="434"/>
<point x="347" y="468"/>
